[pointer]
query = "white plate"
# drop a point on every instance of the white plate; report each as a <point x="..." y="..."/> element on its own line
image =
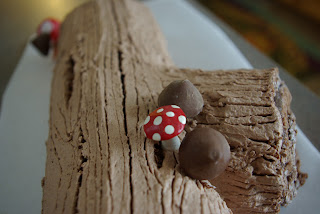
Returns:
<point x="193" y="41"/>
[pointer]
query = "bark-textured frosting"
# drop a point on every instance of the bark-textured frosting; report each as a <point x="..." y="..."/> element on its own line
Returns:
<point x="111" y="67"/>
<point x="252" y="109"/>
<point x="106" y="81"/>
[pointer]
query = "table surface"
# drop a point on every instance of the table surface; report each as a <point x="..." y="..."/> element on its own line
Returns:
<point x="19" y="20"/>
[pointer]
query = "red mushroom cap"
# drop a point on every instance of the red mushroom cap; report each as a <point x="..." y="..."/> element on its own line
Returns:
<point x="50" y="26"/>
<point x="165" y="123"/>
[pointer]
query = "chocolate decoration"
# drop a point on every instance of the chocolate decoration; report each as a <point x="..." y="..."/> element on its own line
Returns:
<point x="204" y="153"/>
<point x="42" y="43"/>
<point x="184" y="94"/>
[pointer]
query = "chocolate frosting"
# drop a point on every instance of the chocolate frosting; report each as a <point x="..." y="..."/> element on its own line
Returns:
<point x="184" y="94"/>
<point x="204" y="153"/>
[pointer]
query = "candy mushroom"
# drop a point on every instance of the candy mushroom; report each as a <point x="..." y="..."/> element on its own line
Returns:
<point x="49" y="26"/>
<point x="47" y="36"/>
<point x="165" y="124"/>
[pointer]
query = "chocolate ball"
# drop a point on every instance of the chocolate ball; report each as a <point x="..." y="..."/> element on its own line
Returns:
<point x="42" y="43"/>
<point x="184" y="94"/>
<point x="204" y="153"/>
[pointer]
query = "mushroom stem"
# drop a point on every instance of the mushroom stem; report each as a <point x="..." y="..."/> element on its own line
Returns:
<point x="172" y="144"/>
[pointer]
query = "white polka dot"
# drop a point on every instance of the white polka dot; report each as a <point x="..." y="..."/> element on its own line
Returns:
<point x="174" y="106"/>
<point x="147" y="120"/>
<point x="170" y="114"/>
<point x="156" y="137"/>
<point x="182" y="119"/>
<point x="157" y="121"/>
<point x="169" y="129"/>
<point x="159" y="110"/>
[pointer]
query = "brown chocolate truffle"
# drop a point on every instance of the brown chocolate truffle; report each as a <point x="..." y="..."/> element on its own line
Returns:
<point x="204" y="153"/>
<point x="184" y="94"/>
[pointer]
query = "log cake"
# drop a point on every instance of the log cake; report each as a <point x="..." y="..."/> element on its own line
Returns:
<point x="112" y="64"/>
